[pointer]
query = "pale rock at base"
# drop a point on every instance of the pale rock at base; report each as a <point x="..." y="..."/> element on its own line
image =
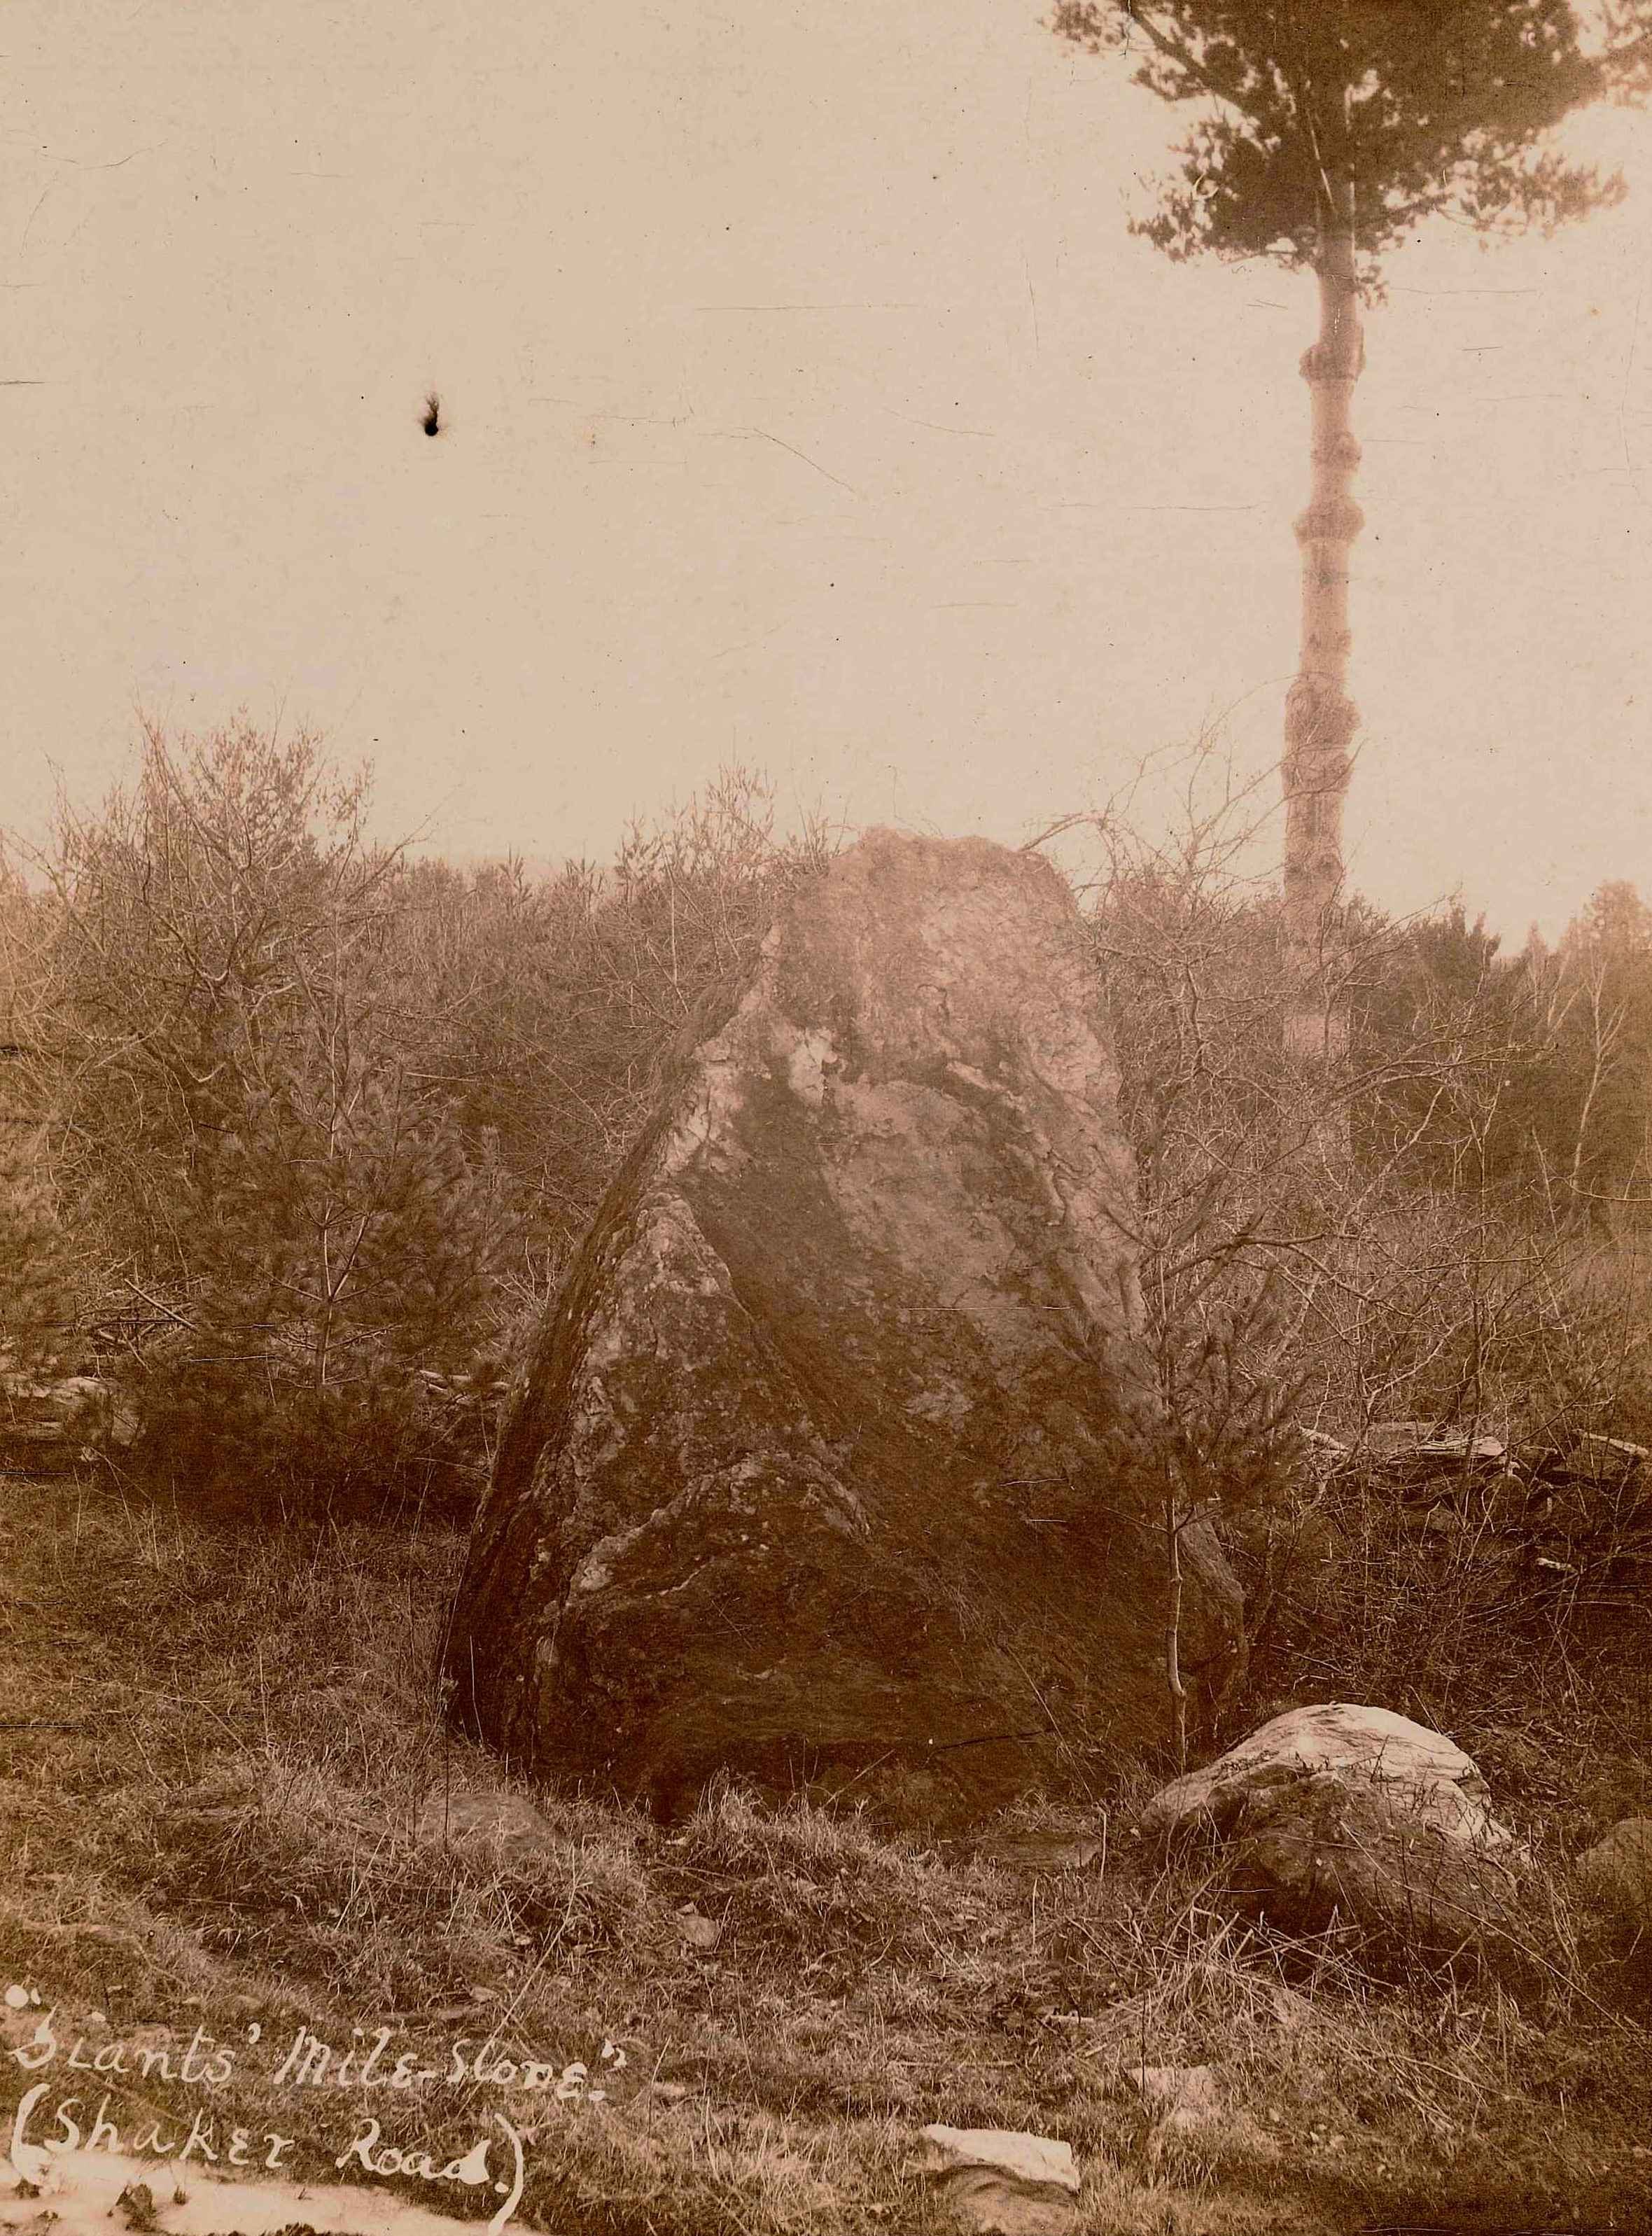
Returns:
<point x="506" y="1823"/>
<point x="1354" y="1819"/>
<point x="1000" y="2182"/>
<point x="52" y="1428"/>
<point x="1438" y="1784"/>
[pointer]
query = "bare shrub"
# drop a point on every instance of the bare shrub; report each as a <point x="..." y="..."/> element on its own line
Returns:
<point x="293" y="1223"/>
<point x="42" y="1288"/>
<point x="542" y="1007"/>
<point x="326" y="1123"/>
<point x="1329" y="1249"/>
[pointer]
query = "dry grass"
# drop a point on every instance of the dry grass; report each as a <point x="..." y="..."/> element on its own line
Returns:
<point x="219" y="1746"/>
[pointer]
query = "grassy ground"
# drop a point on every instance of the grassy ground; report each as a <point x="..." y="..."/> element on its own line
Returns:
<point x="218" y="1747"/>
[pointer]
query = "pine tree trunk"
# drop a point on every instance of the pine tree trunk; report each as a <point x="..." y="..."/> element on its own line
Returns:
<point x="1320" y="717"/>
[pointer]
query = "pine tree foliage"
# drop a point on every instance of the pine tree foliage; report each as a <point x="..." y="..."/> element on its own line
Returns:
<point x="1325" y="132"/>
<point x="1418" y="109"/>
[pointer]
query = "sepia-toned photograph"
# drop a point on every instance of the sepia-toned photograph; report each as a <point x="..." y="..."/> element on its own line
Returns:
<point x="825" y="1118"/>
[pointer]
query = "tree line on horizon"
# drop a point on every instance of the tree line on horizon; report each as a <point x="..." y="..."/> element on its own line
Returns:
<point x="301" y="1133"/>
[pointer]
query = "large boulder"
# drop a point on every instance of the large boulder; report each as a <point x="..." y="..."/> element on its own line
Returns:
<point x="822" y="1469"/>
<point x="1353" y="1819"/>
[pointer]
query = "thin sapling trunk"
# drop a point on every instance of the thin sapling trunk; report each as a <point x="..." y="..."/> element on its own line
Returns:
<point x="1320" y="717"/>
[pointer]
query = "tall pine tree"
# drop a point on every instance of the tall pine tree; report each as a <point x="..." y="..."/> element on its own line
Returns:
<point x="1327" y="132"/>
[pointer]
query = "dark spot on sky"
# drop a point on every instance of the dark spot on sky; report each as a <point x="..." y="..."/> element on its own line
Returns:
<point x="432" y="421"/>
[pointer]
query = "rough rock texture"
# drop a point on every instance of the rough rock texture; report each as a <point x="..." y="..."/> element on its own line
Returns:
<point x="820" y="1471"/>
<point x="1616" y="1872"/>
<point x="1194" y="2104"/>
<point x="1003" y="2183"/>
<point x="1182" y="2096"/>
<point x="1437" y="1783"/>
<point x="1356" y="1819"/>
<point x="1049" y="1852"/>
<point x="506" y="1825"/>
<point x="52" y="1428"/>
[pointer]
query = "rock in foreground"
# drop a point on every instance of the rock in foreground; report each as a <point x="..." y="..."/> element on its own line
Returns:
<point x="1002" y="2183"/>
<point x="820" y="1471"/>
<point x="1616" y="1873"/>
<point x="1353" y="1818"/>
<point x="1184" y="2097"/>
<point x="52" y="1428"/>
<point x="1432" y="1779"/>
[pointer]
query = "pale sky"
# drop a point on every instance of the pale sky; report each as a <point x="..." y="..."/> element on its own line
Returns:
<point x="807" y="403"/>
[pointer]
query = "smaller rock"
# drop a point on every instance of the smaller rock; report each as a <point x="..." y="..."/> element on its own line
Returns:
<point x="136" y="2204"/>
<point x="1353" y="1821"/>
<point x="1003" y="2183"/>
<point x="52" y="1428"/>
<point x="1323" y="1446"/>
<point x="1041" y="1852"/>
<point x="1607" y="1455"/>
<point x="1184" y="2096"/>
<point x="1291" y="2011"/>
<point x="700" y="1933"/>
<point x="1428" y="1449"/>
<point x="1616" y="1872"/>
<point x="75" y="1393"/>
<point x="1435" y="1782"/>
<point x="506" y="1822"/>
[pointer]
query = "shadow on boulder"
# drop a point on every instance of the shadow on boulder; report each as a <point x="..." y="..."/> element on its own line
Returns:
<point x="825" y="1471"/>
